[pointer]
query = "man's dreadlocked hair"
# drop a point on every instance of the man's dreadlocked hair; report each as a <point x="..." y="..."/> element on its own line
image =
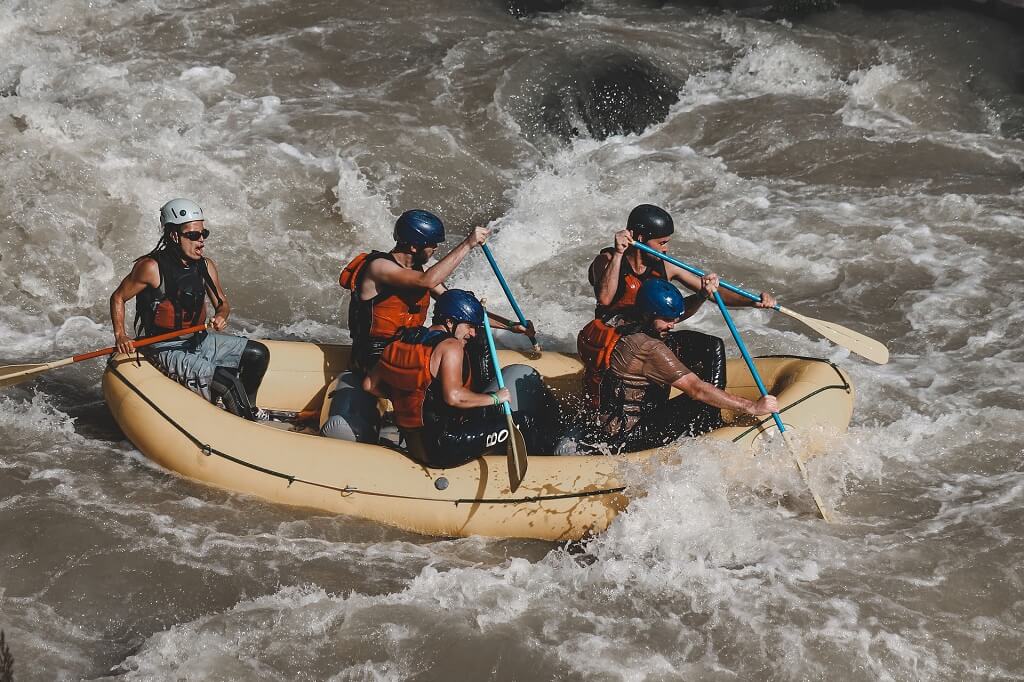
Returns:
<point x="164" y="243"/>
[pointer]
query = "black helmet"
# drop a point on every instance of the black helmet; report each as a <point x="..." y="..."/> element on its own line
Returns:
<point x="647" y="221"/>
<point x="419" y="228"/>
<point x="459" y="306"/>
<point x="658" y="298"/>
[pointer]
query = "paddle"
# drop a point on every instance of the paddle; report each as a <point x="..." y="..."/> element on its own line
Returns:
<point x="847" y="338"/>
<point x="15" y="374"/>
<point x="508" y="294"/>
<point x="775" y="415"/>
<point x="517" y="455"/>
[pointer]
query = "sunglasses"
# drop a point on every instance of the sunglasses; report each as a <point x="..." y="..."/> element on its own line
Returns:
<point x="195" y="235"/>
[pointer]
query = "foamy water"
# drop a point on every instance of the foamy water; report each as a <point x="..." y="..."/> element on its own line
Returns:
<point x="859" y="165"/>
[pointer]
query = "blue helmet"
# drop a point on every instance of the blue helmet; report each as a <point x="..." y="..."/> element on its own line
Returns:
<point x="658" y="298"/>
<point x="459" y="306"/>
<point x="419" y="228"/>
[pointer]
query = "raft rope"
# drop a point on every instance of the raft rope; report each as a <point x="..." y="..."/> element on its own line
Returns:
<point x="208" y="450"/>
<point x="845" y="386"/>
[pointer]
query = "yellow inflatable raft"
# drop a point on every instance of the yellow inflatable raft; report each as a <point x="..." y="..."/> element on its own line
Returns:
<point x="561" y="497"/>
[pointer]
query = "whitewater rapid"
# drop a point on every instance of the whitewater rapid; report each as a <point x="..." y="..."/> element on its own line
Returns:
<point x="861" y="165"/>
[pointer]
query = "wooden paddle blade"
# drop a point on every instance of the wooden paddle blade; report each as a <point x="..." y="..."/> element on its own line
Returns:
<point x="856" y="342"/>
<point x="517" y="455"/>
<point x="15" y="374"/>
<point x="807" y="481"/>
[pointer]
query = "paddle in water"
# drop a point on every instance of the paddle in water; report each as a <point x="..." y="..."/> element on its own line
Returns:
<point x="508" y="294"/>
<point x="775" y="415"/>
<point x="517" y="455"/>
<point x="853" y="341"/>
<point x="15" y="374"/>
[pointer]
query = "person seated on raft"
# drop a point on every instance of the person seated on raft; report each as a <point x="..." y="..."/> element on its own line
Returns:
<point x="426" y="374"/>
<point x="636" y="413"/>
<point x="617" y="274"/>
<point x="390" y="292"/>
<point x="171" y="284"/>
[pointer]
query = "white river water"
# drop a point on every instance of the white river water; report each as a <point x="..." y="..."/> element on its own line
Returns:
<point x="861" y="165"/>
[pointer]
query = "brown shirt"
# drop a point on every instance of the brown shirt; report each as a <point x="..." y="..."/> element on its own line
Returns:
<point x="639" y="356"/>
<point x="640" y="361"/>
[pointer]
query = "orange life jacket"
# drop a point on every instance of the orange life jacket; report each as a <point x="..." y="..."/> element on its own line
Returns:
<point x="405" y="368"/>
<point x="628" y="286"/>
<point x="595" y="344"/>
<point x="390" y="310"/>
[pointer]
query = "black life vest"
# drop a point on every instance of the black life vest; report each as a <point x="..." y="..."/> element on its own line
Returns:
<point x="628" y="286"/>
<point x="180" y="299"/>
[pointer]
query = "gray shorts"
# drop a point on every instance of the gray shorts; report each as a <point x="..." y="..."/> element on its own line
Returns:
<point x="192" y="362"/>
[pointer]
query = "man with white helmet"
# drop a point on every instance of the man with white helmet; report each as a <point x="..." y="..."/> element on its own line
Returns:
<point x="171" y="285"/>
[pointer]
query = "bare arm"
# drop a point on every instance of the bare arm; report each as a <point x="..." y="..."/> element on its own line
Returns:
<point x="499" y="322"/>
<point x="693" y="304"/>
<point x="449" y="371"/>
<point x="386" y="272"/>
<point x="221" y="312"/>
<point x="605" y="269"/>
<point x="697" y="389"/>
<point x="708" y="287"/>
<point x="144" y="273"/>
<point x="693" y="283"/>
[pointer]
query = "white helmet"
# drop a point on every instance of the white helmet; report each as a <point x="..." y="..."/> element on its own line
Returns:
<point x="179" y="212"/>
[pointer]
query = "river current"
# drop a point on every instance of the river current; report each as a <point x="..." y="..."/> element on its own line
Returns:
<point x="866" y="166"/>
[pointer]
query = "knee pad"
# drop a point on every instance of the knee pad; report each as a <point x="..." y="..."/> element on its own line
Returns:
<point x="227" y="386"/>
<point x="255" y="359"/>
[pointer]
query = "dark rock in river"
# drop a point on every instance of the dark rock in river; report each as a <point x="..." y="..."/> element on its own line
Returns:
<point x="523" y="8"/>
<point x="606" y="95"/>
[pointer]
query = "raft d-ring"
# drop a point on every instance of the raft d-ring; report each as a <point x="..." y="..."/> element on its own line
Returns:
<point x="348" y="490"/>
<point x="206" y="449"/>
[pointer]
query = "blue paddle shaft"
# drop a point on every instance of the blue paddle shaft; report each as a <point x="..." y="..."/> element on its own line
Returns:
<point x="746" y="356"/>
<point x="494" y="359"/>
<point x="504" y="286"/>
<point x="700" y="273"/>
